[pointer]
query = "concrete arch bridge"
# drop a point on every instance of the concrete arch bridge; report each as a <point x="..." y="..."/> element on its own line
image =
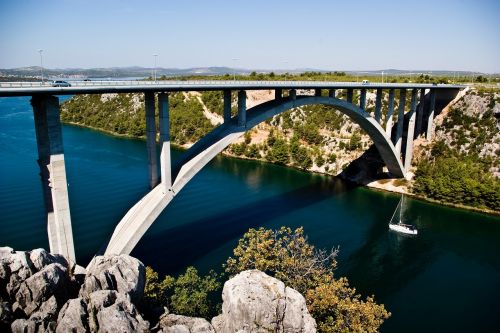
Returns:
<point x="388" y="137"/>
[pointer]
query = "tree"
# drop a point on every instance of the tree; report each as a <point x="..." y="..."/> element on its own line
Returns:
<point x="278" y="152"/>
<point x="248" y="137"/>
<point x="189" y="294"/>
<point x="337" y="308"/>
<point x="286" y="255"/>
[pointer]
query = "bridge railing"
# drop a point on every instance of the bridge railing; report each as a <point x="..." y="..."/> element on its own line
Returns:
<point x="101" y="83"/>
<point x="220" y="84"/>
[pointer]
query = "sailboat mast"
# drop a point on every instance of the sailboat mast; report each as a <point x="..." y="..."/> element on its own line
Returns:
<point x="401" y="208"/>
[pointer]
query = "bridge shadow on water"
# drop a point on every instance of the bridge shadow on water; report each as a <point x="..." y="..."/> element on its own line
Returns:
<point x="182" y="245"/>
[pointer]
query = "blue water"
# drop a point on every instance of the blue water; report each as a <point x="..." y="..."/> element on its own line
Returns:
<point x="446" y="279"/>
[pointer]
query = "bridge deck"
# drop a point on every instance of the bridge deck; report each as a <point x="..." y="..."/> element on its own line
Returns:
<point x="101" y="87"/>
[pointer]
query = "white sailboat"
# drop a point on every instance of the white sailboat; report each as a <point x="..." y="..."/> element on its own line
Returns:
<point x="400" y="226"/>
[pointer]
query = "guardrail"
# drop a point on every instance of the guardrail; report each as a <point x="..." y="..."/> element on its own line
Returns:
<point x="108" y="83"/>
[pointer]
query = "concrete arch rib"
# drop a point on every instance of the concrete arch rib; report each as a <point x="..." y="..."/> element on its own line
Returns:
<point x="142" y="215"/>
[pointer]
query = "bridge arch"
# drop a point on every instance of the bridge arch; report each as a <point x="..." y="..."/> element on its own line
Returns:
<point x="142" y="215"/>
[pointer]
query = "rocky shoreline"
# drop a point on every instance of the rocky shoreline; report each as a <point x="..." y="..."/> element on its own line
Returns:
<point x="43" y="292"/>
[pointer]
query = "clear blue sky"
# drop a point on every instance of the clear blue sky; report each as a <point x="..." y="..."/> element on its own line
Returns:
<point x="262" y="34"/>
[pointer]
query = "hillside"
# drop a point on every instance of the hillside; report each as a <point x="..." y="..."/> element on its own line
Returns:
<point x="461" y="165"/>
<point x="319" y="139"/>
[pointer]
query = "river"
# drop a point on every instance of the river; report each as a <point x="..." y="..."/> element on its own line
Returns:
<point x="446" y="279"/>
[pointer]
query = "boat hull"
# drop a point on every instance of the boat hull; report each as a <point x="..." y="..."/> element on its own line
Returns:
<point x="402" y="229"/>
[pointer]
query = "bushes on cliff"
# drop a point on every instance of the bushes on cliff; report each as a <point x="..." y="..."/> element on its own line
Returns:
<point x="459" y="180"/>
<point x="189" y="294"/>
<point x="286" y="255"/>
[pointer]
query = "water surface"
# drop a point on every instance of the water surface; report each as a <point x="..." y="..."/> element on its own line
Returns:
<point x="445" y="279"/>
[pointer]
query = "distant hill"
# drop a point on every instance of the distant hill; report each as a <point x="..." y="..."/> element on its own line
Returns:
<point x="136" y="71"/>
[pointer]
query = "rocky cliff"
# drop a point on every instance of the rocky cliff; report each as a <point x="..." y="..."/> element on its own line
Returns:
<point x="41" y="292"/>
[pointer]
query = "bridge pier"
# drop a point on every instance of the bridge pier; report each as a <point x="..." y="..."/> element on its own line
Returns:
<point x="331" y="93"/>
<point x="349" y="95"/>
<point x="390" y="111"/>
<point x="278" y="93"/>
<point x="149" y="104"/>
<point x="411" y="131"/>
<point x="317" y="92"/>
<point x="165" y="157"/>
<point x="227" y="106"/>
<point x="430" y="119"/>
<point x="401" y="115"/>
<point x="242" y="108"/>
<point x="378" y="106"/>
<point x="53" y="174"/>
<point x="362" y="99"/>
<point x="293" y="94"/>
<point x="420" y="112"/>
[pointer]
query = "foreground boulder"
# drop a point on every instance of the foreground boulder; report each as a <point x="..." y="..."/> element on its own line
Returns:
<point x="41" y="292"/>
<point x="122" y="273"/>
<point x="256" y="302"/>
<point x="106" y="311"/>
<point x="172" y="323"/>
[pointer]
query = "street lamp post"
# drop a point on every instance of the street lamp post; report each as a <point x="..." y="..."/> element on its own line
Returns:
<point x="41" y="63"/>
<point x="286" y="65"/>
<point x="234" y="72"/>
<point x="154" y="70"/>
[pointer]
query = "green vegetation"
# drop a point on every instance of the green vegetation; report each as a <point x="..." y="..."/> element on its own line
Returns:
<point x="286" y="255"/>
<point x="459" y="180"/>
<point x="116" y="115"/>
<point x="124" y="114"/>
<point x="189" y="294"/>
<point x="339" y="76"/>
<point x="214" y="101"/>
<point x="458" y="170"/>
<point x="187" y="123"/>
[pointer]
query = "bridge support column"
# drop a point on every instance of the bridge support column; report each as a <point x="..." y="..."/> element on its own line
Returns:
<point x="331" y="93"/>
<point x="430" y="119"/>
<point x="411" y="131"/>
<point x="278" y="93"/>
<point x="242" y="108"/>
<point x="390" y="111"/>
<point x="349" y="95"/>
<point x="317" y="92"/>
<point x="401" y="115"/>
<point x="378" y="106"/>
<point x="53" y="174"/>
<point x="420" y="112"/>
<point x="149" y="103"/>
<point x="293" y="94"/>
<point x="362" y="99"/>
<point x="227" y="105"/>
<point x="165" y="157"/>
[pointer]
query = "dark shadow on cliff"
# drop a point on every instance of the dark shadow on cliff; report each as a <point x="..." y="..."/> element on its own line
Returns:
<point x="369" y="166"/>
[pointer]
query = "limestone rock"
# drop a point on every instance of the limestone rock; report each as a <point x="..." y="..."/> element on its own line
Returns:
<point x="52" y="280"/>
<point x="41" y="258"/>
<point x="110" y="311"/>
<point x="256" y="302"/>
<point x="172" y="323"/>
<point x="73" y="317"/>
<point x="44" y="320"/>
<point x="6" y="316"/>
<point x="122" y="273"/>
